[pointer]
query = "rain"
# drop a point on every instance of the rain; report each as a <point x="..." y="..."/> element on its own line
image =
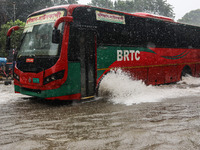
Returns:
<point x="126" y="110"/>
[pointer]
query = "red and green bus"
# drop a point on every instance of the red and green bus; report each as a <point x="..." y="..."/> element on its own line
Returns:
<point x="66" y="50"/>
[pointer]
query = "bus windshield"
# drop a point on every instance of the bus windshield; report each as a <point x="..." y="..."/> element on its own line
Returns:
<point x="37" y="36"/>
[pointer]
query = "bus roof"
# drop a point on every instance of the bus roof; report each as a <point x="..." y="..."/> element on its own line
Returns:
<point x="147" y="15"/>
<point x="71" y="7"/>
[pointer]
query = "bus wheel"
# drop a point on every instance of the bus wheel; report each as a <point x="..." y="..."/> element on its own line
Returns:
<point x="186" y="71"/>
<point x="98" y="86"/>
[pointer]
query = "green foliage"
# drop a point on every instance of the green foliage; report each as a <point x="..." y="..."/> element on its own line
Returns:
<point x="193" y="18"/>
<point x="15" y="36"/>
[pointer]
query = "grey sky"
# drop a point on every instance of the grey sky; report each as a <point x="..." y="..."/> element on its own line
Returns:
<point x="181" y="7"/>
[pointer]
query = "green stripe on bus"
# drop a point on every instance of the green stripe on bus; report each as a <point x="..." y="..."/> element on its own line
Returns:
<point x="107" y="55"/>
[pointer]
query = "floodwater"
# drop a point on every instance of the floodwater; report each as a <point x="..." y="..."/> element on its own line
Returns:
<point x="128" y="116"/>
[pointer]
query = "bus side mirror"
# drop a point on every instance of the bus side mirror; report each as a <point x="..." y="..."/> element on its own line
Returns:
<point x="56" y="36"/>
<point x="14" y="28"/>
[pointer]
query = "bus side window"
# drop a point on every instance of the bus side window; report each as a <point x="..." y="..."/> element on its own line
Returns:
<point x="137" y="28"/>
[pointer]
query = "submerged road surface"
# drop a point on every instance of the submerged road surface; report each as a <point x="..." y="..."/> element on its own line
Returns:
<point x="152" y="118"/>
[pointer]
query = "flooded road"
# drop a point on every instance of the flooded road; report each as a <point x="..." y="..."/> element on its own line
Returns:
<point x="144" y="118"/>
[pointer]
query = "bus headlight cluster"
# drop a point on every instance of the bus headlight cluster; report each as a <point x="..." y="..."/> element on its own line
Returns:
<point x="16" y="76"/>
<point x="53" y="77"/>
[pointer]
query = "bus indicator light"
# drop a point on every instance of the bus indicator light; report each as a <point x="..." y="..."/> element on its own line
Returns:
<point x="29" y="60"/>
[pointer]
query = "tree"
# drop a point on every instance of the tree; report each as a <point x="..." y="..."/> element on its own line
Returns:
<point x="25" y="7"/>
<point x="193" y="18"/>
<point x="102" y="3"/>
<point x="127" y="5"/>
<point x="3" y="16"/>
<point x="61" y="2"/>
<point x="15" y="36"/>
<point x="159" y="7"/>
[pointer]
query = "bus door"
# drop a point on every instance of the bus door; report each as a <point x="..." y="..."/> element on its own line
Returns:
<point x="87" y="60"/>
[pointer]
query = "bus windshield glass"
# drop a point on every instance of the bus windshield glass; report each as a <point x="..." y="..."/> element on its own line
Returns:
<point x="37" y="35"/>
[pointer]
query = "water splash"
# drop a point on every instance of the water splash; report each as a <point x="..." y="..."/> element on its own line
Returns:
<point x="120" y="88"/>
<point x="7" y="94"/>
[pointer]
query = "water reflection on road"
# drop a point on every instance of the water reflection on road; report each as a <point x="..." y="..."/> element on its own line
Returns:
<point x="27" y="123"/>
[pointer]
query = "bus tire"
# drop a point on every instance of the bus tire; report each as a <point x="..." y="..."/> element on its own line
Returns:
<point x="186" y="71"/>
<point x="98" y="86"/>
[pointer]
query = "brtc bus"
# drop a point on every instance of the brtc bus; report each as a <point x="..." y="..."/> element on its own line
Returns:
<point x="66" y="50"/>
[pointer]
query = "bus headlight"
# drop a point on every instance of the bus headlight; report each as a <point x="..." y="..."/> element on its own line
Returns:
<point x="53" y="77"/>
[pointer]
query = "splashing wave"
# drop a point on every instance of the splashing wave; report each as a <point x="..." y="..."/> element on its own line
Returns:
<point x="120" y="88"/>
